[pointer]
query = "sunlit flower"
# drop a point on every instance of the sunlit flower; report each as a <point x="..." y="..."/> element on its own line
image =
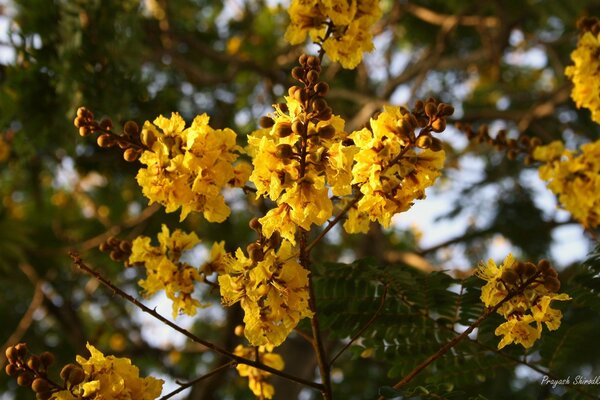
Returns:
<point x="257" y="377"/>
<point x="585" y="74"/>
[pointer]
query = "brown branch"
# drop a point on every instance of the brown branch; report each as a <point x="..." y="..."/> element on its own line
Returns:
<point x="79" y="263"/>
<point x="364" y="328"/>
<point x="435" y="18"/>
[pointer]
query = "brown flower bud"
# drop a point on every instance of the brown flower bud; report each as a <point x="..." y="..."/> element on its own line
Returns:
<point x="25" y="378"/>
<point x="11" y="370"/>
<point x="106" y="124"/>
<point x="266" y="122"/>
<point x="84" y="131"/>
<point x="106" y="140"/>
<point x="76" y="376"/>
<point x="21" y="349"/>
<point x="436" y="144"/>
<point x="255" y="252"/>
<point x="11" y="354"/>
<point x="551" y="272"/>
<point x="326" y="131"/>
<point x="530" y="269"/>
<point x="418" y="106"/>
<point x="34" y="362"/>
<point x="326" y="114"/>
<point x="131" y="154"/>
<point x="283" y="129"/>
<point x="82" y="112"/>
<point x="131" y="128"/>
<point x="519" y="267"/>
<point x="47" y="358"/>
<point x="255" y="225"/>
<point x="123" y="143"/>
<point x="303" y="59"/>
<point x="40" y="385"/>
<point x="312" y="76"/>
<point x="148" y="138"/>
<point x="534" y="142"/>
<point x="125" y="247"/>
<point x="438" y="125"/>
<point x="321" y="89"/>
<point x="78" y="122"/>
<point x="297" y="127"/>
<point x="552" y="283"/>
<point x="298" y="73"/>
<point x="239" y="330"/>
<point x="430" y="109"/>
<point x="284" y="151"/>
<point x="43" y="396"/>
<point x="65" y="372"/>
<point x="510" y="276"/>
<point x="313" y="62"/>
<point x="445" y="110"/>
<point x="424" y="141"/>
<point x="543" y="265"/>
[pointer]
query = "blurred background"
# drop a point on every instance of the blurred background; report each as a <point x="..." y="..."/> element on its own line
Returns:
<point x="499" y="63"/>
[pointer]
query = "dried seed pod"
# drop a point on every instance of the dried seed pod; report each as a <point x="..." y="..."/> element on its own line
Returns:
<point x="266" y="122"/>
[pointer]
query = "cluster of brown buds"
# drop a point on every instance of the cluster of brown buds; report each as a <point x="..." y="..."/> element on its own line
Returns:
<point x="257" y="249"/>
<point x="523" y="145"/>
<point x="589" y="24"/>
<point x="430" y="116"/>
<point x="522" y="272"/>
<point x="119" y="250"/>
<point x="129" y="140"/>
<point x="30" y="370"/>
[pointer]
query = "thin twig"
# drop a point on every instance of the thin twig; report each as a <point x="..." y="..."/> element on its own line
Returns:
<point x="241" y="360"/>
<point x="364" y="328"/>
<point x="192" y="383"/>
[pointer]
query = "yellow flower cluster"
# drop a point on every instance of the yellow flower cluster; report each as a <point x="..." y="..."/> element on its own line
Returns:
<point x="575" y="179"/>
<point x="166" y="272"/>
<point x="188" y="167"/>
<point x="585" y="74"/>
<point x="525" y="313"/>
<point x="272" y="288"/>
<point x="296" y="161"/>
<point x="110" y="378"/>
<point x="390" y="174"/>
<point x="257" y="377"/>
<point x="342" y="27"/>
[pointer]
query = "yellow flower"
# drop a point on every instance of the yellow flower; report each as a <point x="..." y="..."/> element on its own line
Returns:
<point x="349" y="22"/>
<point x="519" y="331"/>
<point x="257" y="377"/>
<point x="585" y="74"/>
<point x="575" y="179"/>
<point x="494" y="290"/>
<point x="543" y="313"/>
<point x="164" y="269"/>
<point x="389" y="175"/>
<point x="188" y="168"/>
<point x="272" y="290"/>
<point x="111" y="378"/>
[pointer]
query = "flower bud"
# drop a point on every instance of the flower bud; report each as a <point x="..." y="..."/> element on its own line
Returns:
<point x="312" y="76"/>
<point x="34" y="362"/>
<point x="255" y="252"/>
<point x="424" y="141"/>
<point x="255" y="224"/>
<point x="131" y="128"/>
<point x="313" y="62"/>
<point x="131" y="154"/>
<point x="84" y="131"/>
<point x="436" y="144"/>
<point x="266" y="122"/>
<point x="47" y="358"/>
<point x="239" y="330"/>
<point x="509" y="276"/>
<point x="106" y="140"/>
<point x="303" y="59"/>
<point x="40" y="385"/>
<point x="326" y="131"/>
<point x="106" y="124"/>
<point x="11" y="370"/>
<point x="430" y="109"/>
<point x="25" y="378"/>
<point x="438" y="125"/>
<point x="321" y="89"/>
<point x="283" y="129"/>
<point x="552" y="284"/>
<point x="284" y="151"/>
<point x="148" y="138"/>
<point x="297" y="127"/>
<point x="543" y="265"/>
<point x="11" y="354"/>
<point x="298" y="73"/>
